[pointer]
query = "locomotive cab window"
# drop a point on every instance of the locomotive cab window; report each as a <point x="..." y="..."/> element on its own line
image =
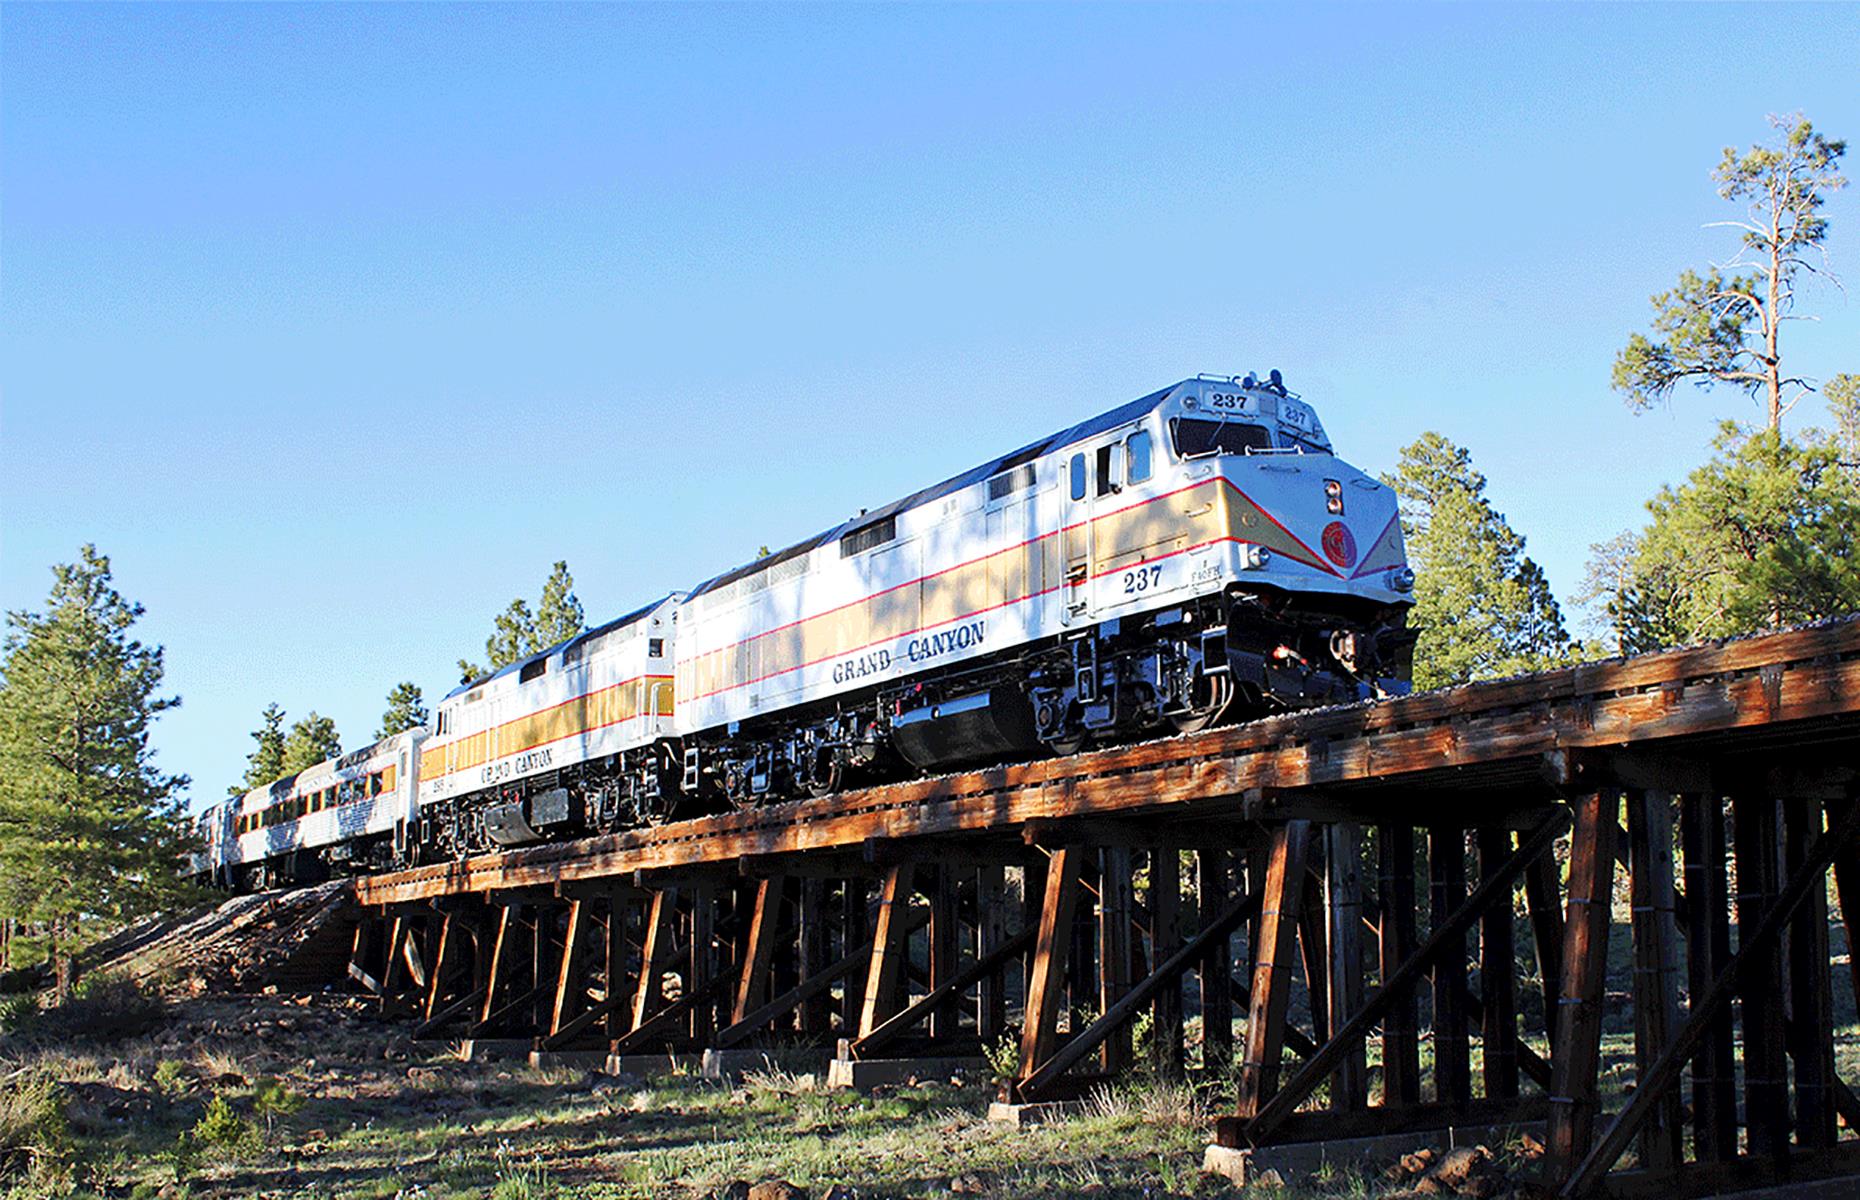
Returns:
<point x="1137" y="456"/>
<point x="1194" y="438"/>
<point x="1107" y="470"/>
<point x="1078" y="476"/>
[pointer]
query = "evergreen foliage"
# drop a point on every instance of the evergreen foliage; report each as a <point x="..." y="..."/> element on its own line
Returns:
<point x="266" y="762"/>
<point x="406" y="709"/>
<point x="1720" y="327"/>
<point x="1484" y="609"/>
<point x="519" y="632"/>
<point x="1764" y="535"/>
<point x="311" y="740"/>
<point x="90" y="828"/>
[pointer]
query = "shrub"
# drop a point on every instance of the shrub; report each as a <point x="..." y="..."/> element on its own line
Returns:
<point x="101" y="1009"/>
<point x="16" y="1010"/>
<point x="1004" y="1056"/>
<point x="274" y="1101"/>
<point x="222" y="1130"/>
<point x="33" y="1132"/>
<point x="171" y="1078"/>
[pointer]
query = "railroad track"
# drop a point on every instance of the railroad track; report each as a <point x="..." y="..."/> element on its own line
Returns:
<point x="1797" y="689"/>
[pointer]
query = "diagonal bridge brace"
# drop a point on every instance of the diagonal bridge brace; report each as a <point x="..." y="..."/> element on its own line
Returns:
<point x="1245" y="1130"/>
<point x="1664" y="1073"/>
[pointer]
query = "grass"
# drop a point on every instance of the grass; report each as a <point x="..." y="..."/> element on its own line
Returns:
<point x="439" y="1129"/>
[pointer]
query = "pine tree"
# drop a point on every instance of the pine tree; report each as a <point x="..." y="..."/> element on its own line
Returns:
<point x="310" y="741"/>
<point x="1483" y="609"/>
<point x="266" y="762"/>
<point x="90" y="829"/>
<point x="1720" y="328"/>
<point x="558" y="613"/>
<point x="517" y="632"/>
<point x="406" y="709"/>
<point x="1765" y="534"/>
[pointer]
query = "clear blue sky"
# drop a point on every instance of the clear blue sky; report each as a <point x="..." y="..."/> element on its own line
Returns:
<point x="334" y="325"/>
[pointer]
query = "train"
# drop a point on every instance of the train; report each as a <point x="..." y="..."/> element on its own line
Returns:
<point x="1194" y="556"/>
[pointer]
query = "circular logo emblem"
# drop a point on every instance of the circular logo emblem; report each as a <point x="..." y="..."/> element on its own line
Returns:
<point x="1339" y="544"/>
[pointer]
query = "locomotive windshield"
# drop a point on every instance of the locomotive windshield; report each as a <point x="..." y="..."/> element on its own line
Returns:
<point x="1194" y="438"/>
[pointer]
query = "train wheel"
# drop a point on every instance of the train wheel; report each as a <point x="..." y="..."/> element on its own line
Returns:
<point x="1219" y="697"/>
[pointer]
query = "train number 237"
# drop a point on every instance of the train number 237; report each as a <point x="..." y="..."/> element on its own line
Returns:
<point x="1142" y="579"/>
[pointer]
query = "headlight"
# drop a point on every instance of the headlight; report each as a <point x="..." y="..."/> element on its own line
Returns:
<point x="1256" y="557"/>
<point x="1401" y="579"/>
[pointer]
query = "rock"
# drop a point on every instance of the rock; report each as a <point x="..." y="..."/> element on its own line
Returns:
<point x="1268" y="1178"/>
<point x="1481" y="1187"/>
<point x="398" y="1048"/>
<point x="776" y="1189"/>
<point x="1529" y="1147"/>
<point x="1461" y="1164"/>
<point x="1427" y="1185"/>
<point x="1413" y="1164"/>
<point x="968" y="1184"/>
<point x="736" y="1189"/>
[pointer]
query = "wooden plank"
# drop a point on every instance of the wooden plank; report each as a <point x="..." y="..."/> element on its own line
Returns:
<point x="1498" y="1017"/>
<point x="1051" y="946"/>
<point x="853" y="931"/>
<point x="1708" y="950"/>
<point x="616" y="984"/>
<point x="1546" y="914"/>
<point x="1272" y="971"/>
<point x="1755" y="847"/>
<point x="943" y="942"/>
<point x="1115" y="903"/>
<point x="1395" y="908"/>
<point x="1125" y="1010"/>
<point x="1214" y="877"/>
<point x="1446" y="867"/>
<point x="1810" y="1031"/>
<point x="571" y="976"/>
<point x="359" y="951"/>
<point x="655" y="956"/>
<point x="1165" y="905"/>
<point x="1343" y="898"/>
<point x="500" y="958"/>
<point x="752" y="985"/>
<point x="436" y="978"/>
<point x="458" y="1007"/>
<point x="1576" y="1057"/>
<point x="1397" y="984"/>
<point x="1656" y="960"/>
<point x="890" y="947"/>
<point x="1753" y="953"/>
<point x="1314" y="953"/>
<point x="990" y="935"/>
<point x="1847" y="896"/>
<point x="814" y="985"/>
<point x="989" y="964"/>
<point x="812" y="1016"/>
<point x="701" y="967"/>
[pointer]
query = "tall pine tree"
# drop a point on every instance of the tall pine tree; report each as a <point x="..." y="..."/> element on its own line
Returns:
<point x="1484" y="610"/>
<point x="519" y="632"/>
<point x="90" y="829"/>
<point x="310" y="741"/>
<point x="266" y="762"/>
<point x="1765" y="534"/>
<point x="406" y="709"/>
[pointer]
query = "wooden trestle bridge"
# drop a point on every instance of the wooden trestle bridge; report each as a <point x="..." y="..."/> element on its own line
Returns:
<point x="1353" y="879"/>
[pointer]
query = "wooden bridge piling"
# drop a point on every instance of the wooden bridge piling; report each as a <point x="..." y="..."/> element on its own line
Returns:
<point x="1263" y="904"/>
